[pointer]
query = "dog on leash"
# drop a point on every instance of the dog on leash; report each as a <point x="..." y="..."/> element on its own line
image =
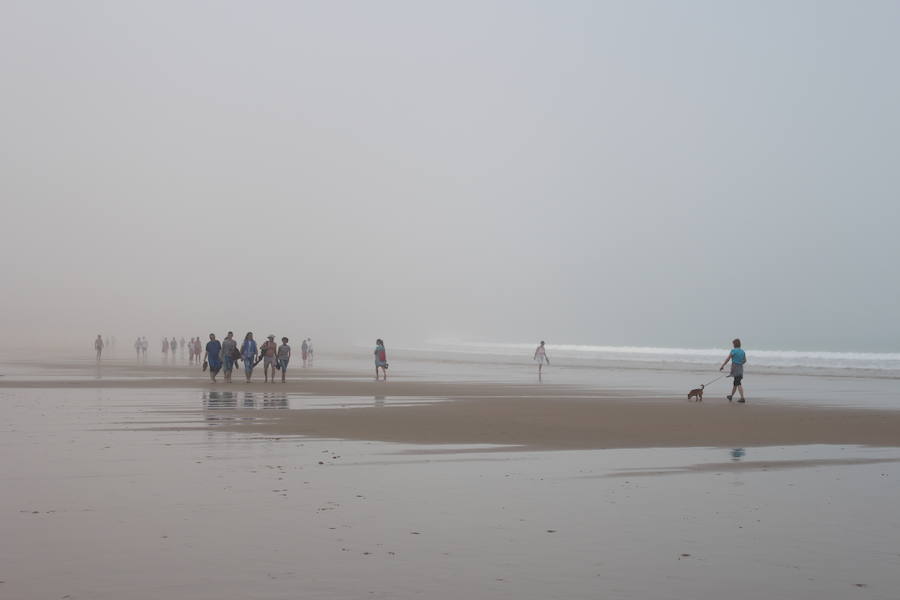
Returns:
<point x="698" y="393"/>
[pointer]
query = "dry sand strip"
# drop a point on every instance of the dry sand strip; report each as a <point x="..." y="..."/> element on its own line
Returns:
<point x="546" y="423"/>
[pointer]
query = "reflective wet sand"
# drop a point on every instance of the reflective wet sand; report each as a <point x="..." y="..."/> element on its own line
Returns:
<point x="140" y="493"/>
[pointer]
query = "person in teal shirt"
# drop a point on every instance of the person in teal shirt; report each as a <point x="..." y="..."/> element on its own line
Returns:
<point x="738" y="359"/>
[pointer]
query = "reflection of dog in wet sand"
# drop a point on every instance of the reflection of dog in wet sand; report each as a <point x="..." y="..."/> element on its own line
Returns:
<point x="698" y="393"/>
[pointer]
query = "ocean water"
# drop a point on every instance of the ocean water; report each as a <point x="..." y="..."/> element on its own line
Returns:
<point x="887" y="364"/>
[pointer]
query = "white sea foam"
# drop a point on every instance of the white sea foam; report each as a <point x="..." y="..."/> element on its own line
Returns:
<point x="762" y="358"/>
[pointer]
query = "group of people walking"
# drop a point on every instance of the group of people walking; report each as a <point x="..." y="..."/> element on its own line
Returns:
<point x="224" y="355"/>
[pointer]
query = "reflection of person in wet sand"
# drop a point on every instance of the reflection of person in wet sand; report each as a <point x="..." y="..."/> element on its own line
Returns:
<point x="380" y="359"/>
<point x="98" y="346"/>
<point x="540" y="355"/>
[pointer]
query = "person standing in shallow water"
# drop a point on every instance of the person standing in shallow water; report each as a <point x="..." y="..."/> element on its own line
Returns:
<point x="213" y="352"/>
<point x="98" y="346"/>
<point x="380" y="359"/>
<point x="540" y="355"/>
<point x="248" y="354"/>
<point x="738" y="359"/>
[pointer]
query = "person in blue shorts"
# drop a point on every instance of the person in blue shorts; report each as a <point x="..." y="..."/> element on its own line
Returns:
<point x="738" y="359"/>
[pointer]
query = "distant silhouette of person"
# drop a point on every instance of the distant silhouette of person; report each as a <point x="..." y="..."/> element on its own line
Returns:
<point x="145" y="345"/>
<point x="98" y="346"/>
<point x="173" y="345"/>
<point x="165" y="348"/>
<point x="198" y="346"/>
<point x="304" y="351"/>
<point x="380" y="359"/>
<point x="309" y="350"/>
<point x="137" y="347"/>
<point x="540" y="355"/>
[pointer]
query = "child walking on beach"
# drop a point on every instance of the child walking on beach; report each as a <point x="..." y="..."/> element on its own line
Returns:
<point x="738" y="359"/>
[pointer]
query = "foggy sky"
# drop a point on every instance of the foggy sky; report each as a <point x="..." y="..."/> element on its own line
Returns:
<point x="647" y="173"/>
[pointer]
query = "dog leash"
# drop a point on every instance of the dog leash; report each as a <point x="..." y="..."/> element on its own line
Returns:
<point x="714" y="380"/>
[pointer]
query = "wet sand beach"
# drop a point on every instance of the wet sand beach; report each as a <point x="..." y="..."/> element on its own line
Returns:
<point x="527" y="416"/>
<point x="154" y="483"/>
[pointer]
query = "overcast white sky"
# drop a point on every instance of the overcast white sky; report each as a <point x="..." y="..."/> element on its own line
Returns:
<point x="648" y="173"/>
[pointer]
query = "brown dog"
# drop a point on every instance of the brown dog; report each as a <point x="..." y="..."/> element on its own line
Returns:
<point x="697" y="392"/>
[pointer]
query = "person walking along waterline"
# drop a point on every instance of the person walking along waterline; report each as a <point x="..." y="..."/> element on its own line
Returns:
<point x="540" y="355"/>
<point x="738" y="359"/>
<point x="380" y="359"/>
<point x="211" y="358"/>
<point x="268" y="349"/>
<point x="230" y="355"/>
<point x="98" y="346"/>
<point x="248" y="354"/>
<point x="284" y="357"/>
